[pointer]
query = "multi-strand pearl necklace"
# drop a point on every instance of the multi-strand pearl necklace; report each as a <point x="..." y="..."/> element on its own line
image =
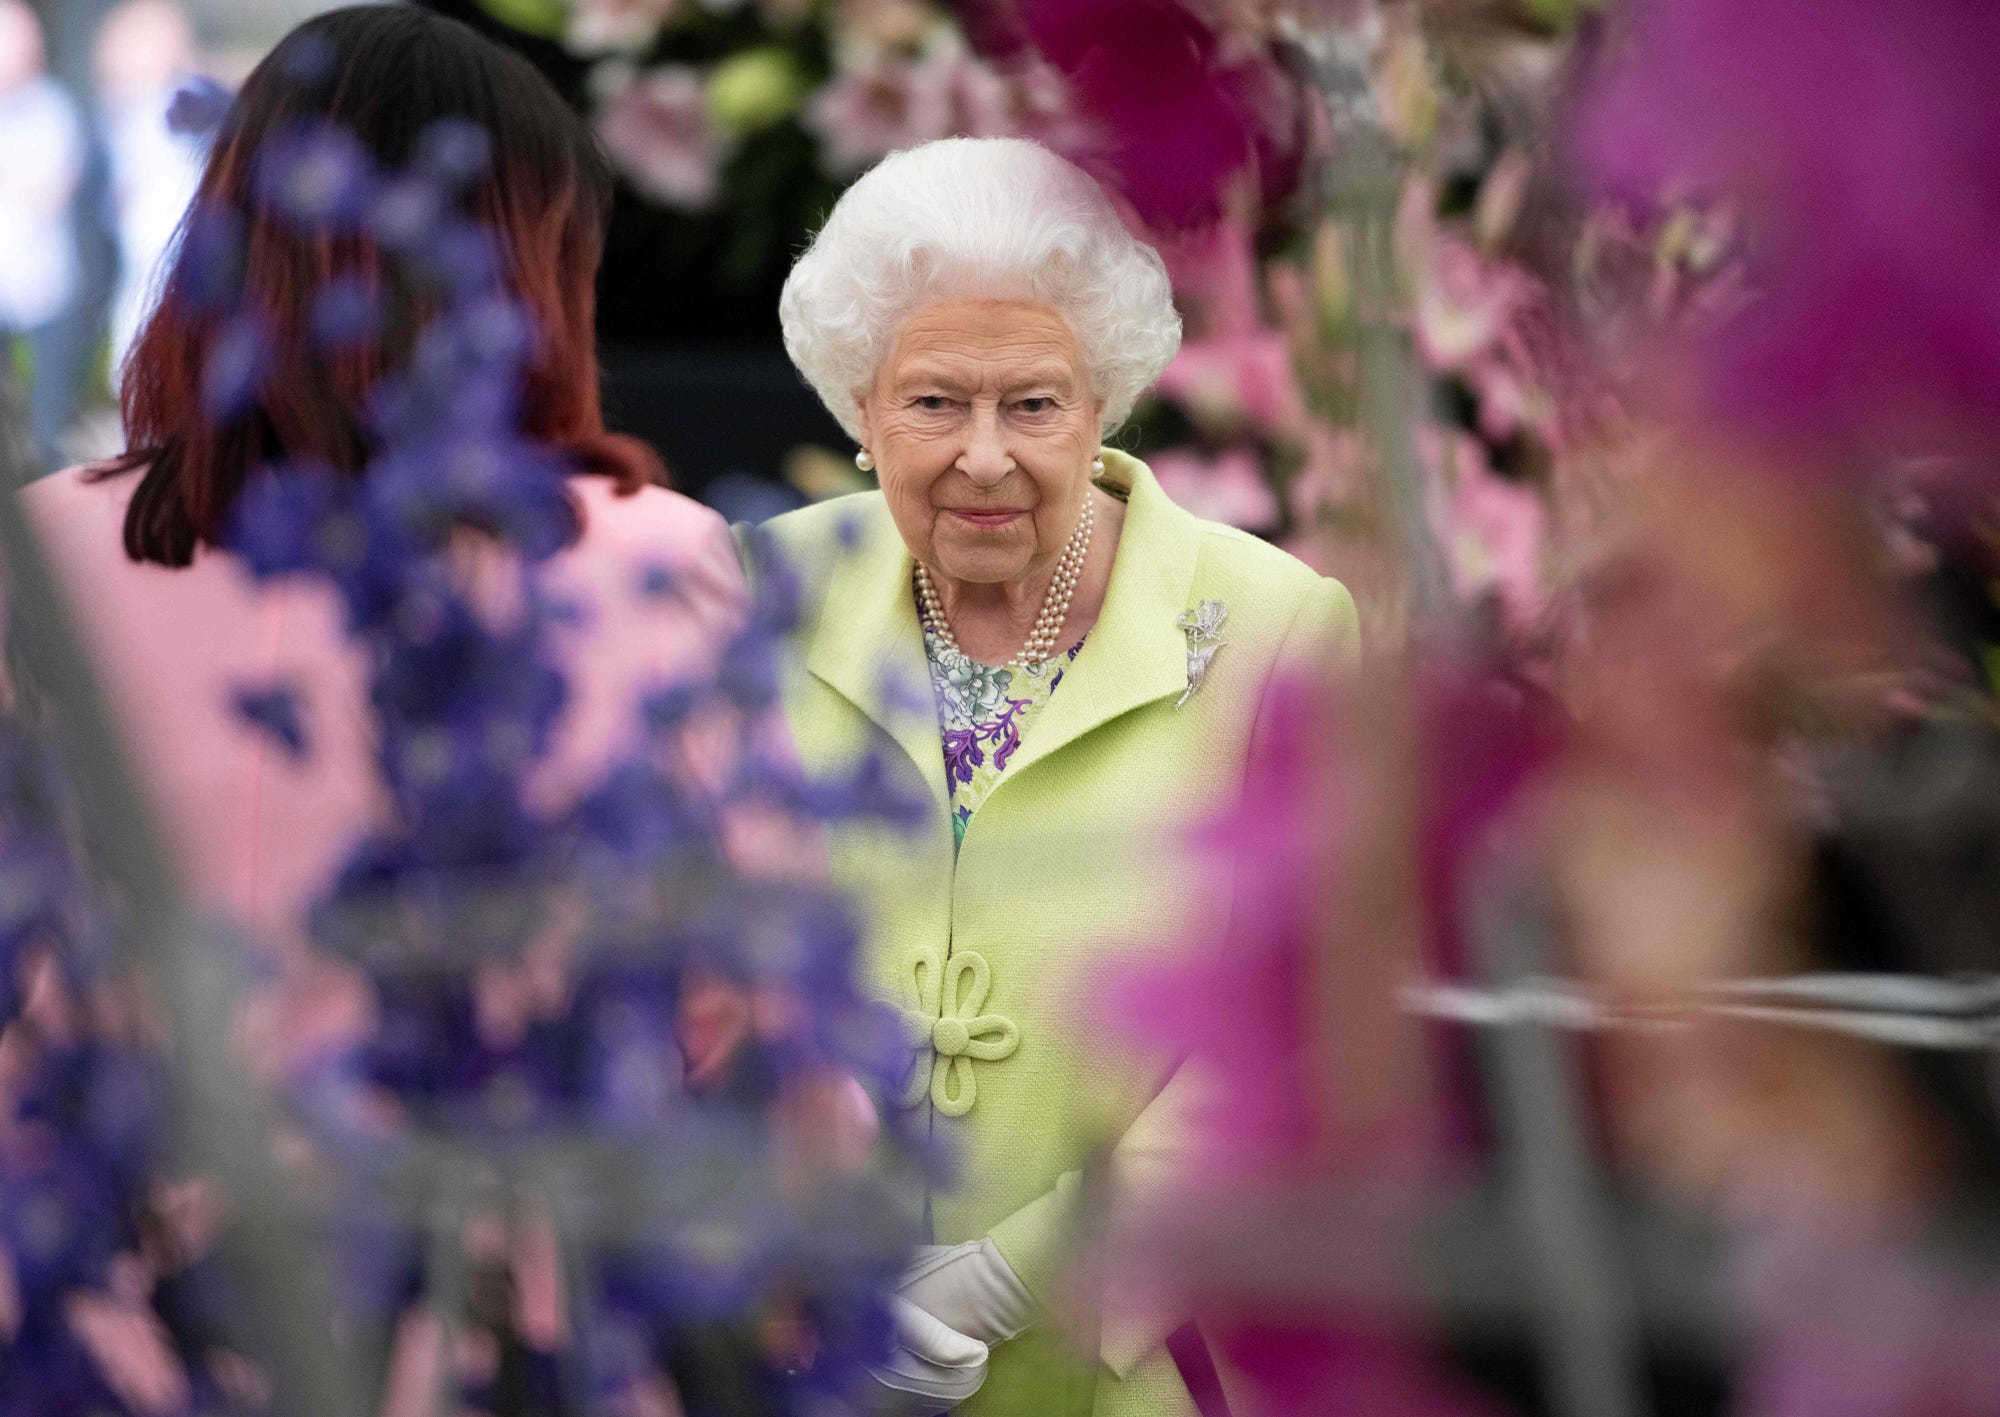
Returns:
<point x="1044" y="639"/>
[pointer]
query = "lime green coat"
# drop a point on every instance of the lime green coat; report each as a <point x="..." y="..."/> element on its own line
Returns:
<point x="1074" y="870"/>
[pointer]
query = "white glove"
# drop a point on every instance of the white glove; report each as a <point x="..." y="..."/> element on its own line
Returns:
<point x="971" y="1288"/>
<point x="932" y="1367"/>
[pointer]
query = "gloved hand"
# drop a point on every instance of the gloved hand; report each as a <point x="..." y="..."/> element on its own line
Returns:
<point x="971" y="1288"/>
<point x="931" y="1369"/>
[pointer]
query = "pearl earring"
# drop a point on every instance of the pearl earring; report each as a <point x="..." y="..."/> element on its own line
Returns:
<point x="1097" y="467"/>
<point x="865" y="460"/>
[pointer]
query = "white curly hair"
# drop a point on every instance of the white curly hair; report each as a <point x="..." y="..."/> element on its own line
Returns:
<point x="977" y="218"/>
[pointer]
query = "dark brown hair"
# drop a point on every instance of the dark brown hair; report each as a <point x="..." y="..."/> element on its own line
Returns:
<point x="387" y="76"/>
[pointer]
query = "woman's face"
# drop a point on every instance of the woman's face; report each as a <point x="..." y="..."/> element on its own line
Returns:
<point x="983" y="426"/>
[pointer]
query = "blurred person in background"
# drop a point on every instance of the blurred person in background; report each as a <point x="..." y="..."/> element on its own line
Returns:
<point x="145" y="50"/>
<point x="170" y="611"/>
<point x="43" y="143"/>
<point x="1067" y="669"/>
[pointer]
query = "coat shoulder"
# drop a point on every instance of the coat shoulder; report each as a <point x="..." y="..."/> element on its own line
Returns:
<point x="650" y="519"/>
<point x="1253" y="569"/>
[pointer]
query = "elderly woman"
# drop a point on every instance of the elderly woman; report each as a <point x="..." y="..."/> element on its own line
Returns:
<point x="977" y="317"/>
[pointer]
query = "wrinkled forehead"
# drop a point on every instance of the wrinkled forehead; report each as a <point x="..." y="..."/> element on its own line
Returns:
<point x="989" y="344"/>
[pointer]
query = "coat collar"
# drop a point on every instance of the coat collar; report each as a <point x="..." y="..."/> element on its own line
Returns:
<point x="1135" y="653"/>
<point x="869" y="646"/>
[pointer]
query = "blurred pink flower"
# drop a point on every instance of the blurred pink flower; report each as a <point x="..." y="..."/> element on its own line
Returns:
<point x="1861" y="142"/>
<point x="1846" y="1327"/>
<point x="863" y="114"/>
<point x="1238" y="378"/>
<point x="1491" y="322"/>
<point x="1229" y="487"/>
<point x="608" y="26"/>
<point x="1182" y="116"/>
<point x="1299" y="1108"/>
<point x="1491" y="529"/>
<point x="1465" y="301"/>
<point x="1215" y="272"/>
<point x="654" y="125"/>
<point x="1334" y="473"/>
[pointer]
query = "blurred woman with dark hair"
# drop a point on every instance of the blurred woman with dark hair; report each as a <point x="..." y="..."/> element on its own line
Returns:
<point x="398" y="226"/>
<point x="307" y="277"/>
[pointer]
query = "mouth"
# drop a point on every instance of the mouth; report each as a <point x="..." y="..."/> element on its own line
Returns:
<point x="987" y="518"/>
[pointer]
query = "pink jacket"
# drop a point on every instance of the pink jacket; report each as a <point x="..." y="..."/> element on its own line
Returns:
<point x="259" y="833"/>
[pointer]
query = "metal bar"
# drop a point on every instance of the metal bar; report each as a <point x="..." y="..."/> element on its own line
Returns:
<point x="1588" y="1324"/>
<point x="1957" y="1021"/>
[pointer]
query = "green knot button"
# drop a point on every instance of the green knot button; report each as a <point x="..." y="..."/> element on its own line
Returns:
<point x="946" y="997"/>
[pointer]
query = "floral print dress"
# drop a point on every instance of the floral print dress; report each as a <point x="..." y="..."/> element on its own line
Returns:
<point x="983" y="713"/>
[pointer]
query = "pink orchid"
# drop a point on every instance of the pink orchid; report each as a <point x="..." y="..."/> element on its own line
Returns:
<point x="1230" y="487"/>
<point x="895" y="102"/>
<point x="1236" y="379"/>
<point x="1491" y="529"/>
<point x="655" y="127"/>
<point x="613" y="26"/>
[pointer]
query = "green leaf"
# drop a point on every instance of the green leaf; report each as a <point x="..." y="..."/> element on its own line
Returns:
<point x="548" y="19"/>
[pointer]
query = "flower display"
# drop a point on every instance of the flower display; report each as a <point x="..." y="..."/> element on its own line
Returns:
<point x="534" y="974"/>
<point x="1605" y="1014"/>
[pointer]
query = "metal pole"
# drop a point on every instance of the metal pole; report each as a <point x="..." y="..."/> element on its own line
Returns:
<point x="1585" y="1314"/>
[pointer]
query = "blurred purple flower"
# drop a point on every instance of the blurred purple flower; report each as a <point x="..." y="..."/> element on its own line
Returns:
<point x="274" y="709"/>
<point x="406" y="212"/>
<point x="197" y="108"/>
<point x="234" y="374"/>
<point x="655" y="127"/>
<point x="453" y="152"/>
<point x="1229" y="487"/>
<point x="280" y="522"/>
<point x="512" y="487"/>
<point x="346" y="314"/>
<point x="317" y="176"/>
<point x="212" y="256"/>
<point x="1860" y="141"/>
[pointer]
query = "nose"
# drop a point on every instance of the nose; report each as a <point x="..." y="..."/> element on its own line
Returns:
<point x="985" y="459"/>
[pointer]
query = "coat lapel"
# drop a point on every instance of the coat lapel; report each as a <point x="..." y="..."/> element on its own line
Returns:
<point x="1135" y="653"/>
<point x="868" y="646"/>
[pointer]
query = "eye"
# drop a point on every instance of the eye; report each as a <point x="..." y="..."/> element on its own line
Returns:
<point x="1039" y="404"/>
<point x="933" y="403"/>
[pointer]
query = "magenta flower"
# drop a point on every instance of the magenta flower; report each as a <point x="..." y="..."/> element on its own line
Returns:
<point x="1183" y="117"/>
<point x="1286" y="1020"/>
<point x="1860" y="141"/>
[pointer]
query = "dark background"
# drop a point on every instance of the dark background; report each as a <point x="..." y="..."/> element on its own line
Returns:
<point x="688" y="304"/>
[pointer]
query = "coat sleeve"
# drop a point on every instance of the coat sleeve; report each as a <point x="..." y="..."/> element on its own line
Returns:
<point x="1041" y="1240"/>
